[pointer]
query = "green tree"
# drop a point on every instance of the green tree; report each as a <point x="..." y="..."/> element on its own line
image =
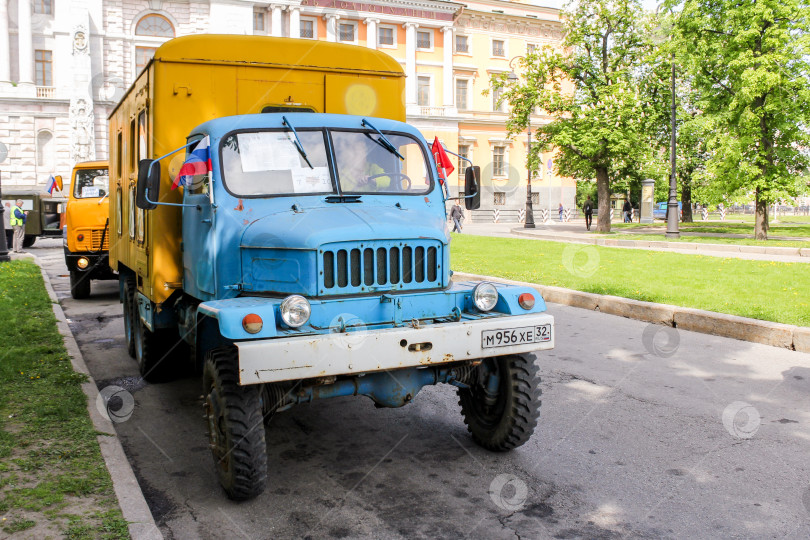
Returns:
<point x="591" y="89"/>
<point x="748" y="62"/>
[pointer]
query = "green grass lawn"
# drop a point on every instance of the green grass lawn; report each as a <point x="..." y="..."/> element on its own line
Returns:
<point x="758" y="289"/>
<point x="53" y="481"/>
<point x="716" y="240"/>
<point x="718" y="227"/>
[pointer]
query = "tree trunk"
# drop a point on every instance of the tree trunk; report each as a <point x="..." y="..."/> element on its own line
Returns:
<point x="761" y="218"/>
<point x="603" y="200"/>
<point x="686" y="200"/>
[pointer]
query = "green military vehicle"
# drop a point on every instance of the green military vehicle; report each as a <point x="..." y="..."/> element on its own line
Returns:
<point x="44" y="214"/>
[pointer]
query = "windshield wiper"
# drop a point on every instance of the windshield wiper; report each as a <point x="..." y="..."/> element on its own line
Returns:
<point x="298" y="144"/>
<point x="383" y="140"/>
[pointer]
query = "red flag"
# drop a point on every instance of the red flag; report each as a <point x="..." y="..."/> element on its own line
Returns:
<point x="442" y="160"/>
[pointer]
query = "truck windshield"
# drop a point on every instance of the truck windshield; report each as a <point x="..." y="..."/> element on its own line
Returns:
<point x="269" y="163"/>
<point x="261" y="163"/>
<point x="366" y="166"/>
<point x="91" y="183"/>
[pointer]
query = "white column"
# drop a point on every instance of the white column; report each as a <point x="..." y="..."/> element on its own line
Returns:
<point x="275" y="22"/>
<point x="295" y="22"/>
<point x="447" y="82"/>
<point x="331" y="27"/>
<point x="371" y="33"/>
<point x="5" y="58"/>
<point x="26" y="44"/>
<point x="410" y="62"/>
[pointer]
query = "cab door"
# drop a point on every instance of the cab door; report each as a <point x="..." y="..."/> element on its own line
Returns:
<point x="199" y="240"/>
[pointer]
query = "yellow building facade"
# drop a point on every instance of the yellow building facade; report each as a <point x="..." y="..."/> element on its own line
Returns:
<point x="449" y="51"/>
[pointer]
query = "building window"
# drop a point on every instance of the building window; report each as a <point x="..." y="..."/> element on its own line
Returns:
<point x="347" y="32"/>
<point x="498" y="164"/>
<point x="45" y="149"/>
<point x="461" y="94"/>
<point x="423" y="91"/>
<point x="424" y="39"/>
<point x="142" y="57"/>
<point x="258" y="21"/>
<point x="43" y="68"/>
<point x="497" y="104"/>
<point x="463" y="152"/>
<point x="155" y="26"/>
<point x="44" y="7"/>
<point x="462" y="45"/>
<point x="386" y="36"/>
<point x="500" y="198"/>
<point x="531" y="48"/>
<point x="307" y="30"/>
<point x="497" y="48"/>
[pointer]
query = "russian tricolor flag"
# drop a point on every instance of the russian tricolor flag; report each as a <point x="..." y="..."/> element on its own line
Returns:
<point x="51" y="185"/>
<point x="197" y="162"/>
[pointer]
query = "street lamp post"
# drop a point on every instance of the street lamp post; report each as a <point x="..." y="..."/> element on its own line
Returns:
<point x="672" y="203"/>
<point x="529" y="221"/>
<point x="3" y="244"/>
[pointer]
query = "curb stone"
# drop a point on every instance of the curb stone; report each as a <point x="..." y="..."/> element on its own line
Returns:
<point x="141" y="523"/>
<point x="786" y="336"/>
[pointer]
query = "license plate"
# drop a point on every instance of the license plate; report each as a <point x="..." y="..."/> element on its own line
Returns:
<point x="515" y="336"/>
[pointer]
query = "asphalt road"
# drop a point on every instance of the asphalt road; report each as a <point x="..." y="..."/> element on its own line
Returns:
<point x="645" y="432"/>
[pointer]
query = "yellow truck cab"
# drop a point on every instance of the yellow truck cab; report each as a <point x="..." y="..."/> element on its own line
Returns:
<point x="87" y="234"/>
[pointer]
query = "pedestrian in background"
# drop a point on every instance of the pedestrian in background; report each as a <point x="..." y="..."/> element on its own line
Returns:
<point x="456" y="214"/>
<point x="627" y="209"/>
<point x="587" y="209"/>
<point x="17" y="222"/>
<point x="561" y="212"/>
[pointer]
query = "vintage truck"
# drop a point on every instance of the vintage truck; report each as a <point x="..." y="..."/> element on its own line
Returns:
<point x="305" y="254"/>
<point x="45" y="213"/>
<point x="87" y="236"/>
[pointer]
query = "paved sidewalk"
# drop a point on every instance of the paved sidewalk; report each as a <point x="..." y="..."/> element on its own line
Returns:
<point x="574" y="231"/>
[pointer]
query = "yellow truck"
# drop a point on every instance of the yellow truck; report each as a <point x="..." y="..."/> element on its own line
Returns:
<point x="87" y="232"/>
<point x="275" y="216"/>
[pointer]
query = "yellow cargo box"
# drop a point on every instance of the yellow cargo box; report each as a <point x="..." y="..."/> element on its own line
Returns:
<point x="194" y="79"/>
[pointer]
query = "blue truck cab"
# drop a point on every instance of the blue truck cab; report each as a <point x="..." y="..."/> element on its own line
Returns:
<point x="316" y="264"/>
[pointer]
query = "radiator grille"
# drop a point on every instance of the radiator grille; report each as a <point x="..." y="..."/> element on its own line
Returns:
<point x="92" y="240"/>
<point x="370" y="267"/>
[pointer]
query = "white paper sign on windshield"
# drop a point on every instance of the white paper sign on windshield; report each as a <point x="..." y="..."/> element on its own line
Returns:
<point x="306" y="180"/>
<point x="90" y="191"/>
<point x="267" y="152"/>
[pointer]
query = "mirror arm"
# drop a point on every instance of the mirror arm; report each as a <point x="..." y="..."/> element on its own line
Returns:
<point x="149" y="172"/>
<point x="468" y="161"/>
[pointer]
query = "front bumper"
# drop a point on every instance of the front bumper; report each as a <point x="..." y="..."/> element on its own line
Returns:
<point x="351" y="353"/>
<point x="98" y="268"/>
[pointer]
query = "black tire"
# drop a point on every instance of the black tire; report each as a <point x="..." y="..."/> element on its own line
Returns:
<point x="235" y="426"/>
<point x="152" y="352"/>
<point x="131" y="315"/>
<point x="79" y="285"/>
<point x="28" y="240"/>
<point x="509" y="419"/>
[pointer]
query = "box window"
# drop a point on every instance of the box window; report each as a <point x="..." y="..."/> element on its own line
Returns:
<point x="424" y="39"/>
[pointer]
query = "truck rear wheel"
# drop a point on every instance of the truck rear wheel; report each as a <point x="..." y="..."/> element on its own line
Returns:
<point x="151" y="352"/>
<point x="235" y="426"/>
<point x="29" y="240"/>
<point x="79" y="285"/>
<point x="502" y="416"/>
<point x="131" y="316"/>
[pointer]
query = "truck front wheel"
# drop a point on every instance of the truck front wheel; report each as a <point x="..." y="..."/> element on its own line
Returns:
<point x="502" y="403"/>
<point x="29" y="240"/>
<point x="235" y="426"/>
<point x="79" y="285"/>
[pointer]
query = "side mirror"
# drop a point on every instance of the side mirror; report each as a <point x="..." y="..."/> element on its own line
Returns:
<point x="148" y="185"/>
<point x="472" y="186"/>
<point x="58" y="182"/>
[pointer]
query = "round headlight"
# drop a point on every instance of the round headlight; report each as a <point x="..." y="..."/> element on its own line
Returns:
<point x="82" y="263"/>
<point x="295" y="310"/>
<point x="485" y="296"/>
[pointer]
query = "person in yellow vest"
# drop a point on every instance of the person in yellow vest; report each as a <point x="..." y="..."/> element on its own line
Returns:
<point x="17" y="222"/>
